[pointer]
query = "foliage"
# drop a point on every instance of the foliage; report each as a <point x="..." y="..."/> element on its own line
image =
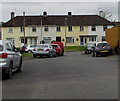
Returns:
<point x="106" y="15"/>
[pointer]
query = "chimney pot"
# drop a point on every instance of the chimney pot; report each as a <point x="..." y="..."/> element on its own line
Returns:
<point x="69" y="13"/>
<point x="12" y="15"/>
<point x="44" y="13"/>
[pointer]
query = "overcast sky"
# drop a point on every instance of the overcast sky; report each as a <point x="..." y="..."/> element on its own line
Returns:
<point x="57" y="8"/>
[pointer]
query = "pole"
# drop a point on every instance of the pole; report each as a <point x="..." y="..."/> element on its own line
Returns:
<point x="41" y="28"/>
<point x="65" y="30"/>
<point x="24" y="26"/>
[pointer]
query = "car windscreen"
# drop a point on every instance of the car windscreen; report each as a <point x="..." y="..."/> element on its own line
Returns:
<point x="1" y="48"/>
<point x="43" y="46"/>
<point x="32" y="46"/>
<point x="55" y="46"/>
<point x="102" y="44"/>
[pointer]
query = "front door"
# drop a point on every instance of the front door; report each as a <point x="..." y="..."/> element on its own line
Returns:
<point x="58" y="39"/>
<point x="81" y="41"/>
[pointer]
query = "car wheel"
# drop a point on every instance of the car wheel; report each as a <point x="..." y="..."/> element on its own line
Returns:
<point x="50" y="56"/>
<point x="29" y="51"/>
<point x="9" y="72"/>
<point x="85" y="52"/>
<point x="62" y="53"/>
<point x="20" y="65"/>
<point x="34" y="56"/>
<point x="93" y="55"/>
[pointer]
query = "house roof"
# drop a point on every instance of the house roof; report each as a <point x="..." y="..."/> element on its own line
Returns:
<point x="75" y="20"/>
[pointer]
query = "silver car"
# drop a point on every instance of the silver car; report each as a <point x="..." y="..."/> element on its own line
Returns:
<point x="10" y="59"/>
<point x="44" y="50"/>
<point x="30" y="48"/>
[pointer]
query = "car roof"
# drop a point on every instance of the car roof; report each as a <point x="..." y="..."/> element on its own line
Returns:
<point x="4" y="41"/>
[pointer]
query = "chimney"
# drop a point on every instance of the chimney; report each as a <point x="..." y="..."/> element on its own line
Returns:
<point x="69" y="13"/>
<point x="12" y="15"/>
<point x="44" y="14"/>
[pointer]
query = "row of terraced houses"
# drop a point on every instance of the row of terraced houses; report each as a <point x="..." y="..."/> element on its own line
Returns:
<point x="72" y="30"/>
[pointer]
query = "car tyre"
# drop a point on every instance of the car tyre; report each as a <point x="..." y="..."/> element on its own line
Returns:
<point x="50" y="56"/>
<point x="62" y="53"/>
<point x="20" y="65"/>
<point x="29" y="51"/>
<point x="93" y="55"/>
<point x="8" y="75"/>
<point x="34" y="56"/>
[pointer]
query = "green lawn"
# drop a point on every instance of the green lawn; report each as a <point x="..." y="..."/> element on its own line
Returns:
<point x="24" y="55"/>
<point x="74" y="48"/>
<point x="67" y="49"/>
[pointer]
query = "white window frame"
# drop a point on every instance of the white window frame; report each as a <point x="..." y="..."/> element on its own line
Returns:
<point x="34" y="29"/>
<point x="70" y="40"/>
<point x="70" y="29"/>
<point x="46" y="29"/>
<point x="81" y="28"/>
<point x="10" y="30"/>
<point x="93" y="28"/>
<point x="21" y="29"/>
<point x="105" y="27"/>
<point x="58" y="29"/>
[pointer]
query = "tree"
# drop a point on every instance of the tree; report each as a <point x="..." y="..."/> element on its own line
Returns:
<point x="106" y="15"/>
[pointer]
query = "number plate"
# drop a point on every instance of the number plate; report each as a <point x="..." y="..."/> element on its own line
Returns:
<point x="104" y="51"/>
<point x="40" y="49"/>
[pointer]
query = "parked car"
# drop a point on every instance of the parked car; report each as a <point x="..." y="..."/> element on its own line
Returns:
<point x="88" y="47"/>
<point x="30" y="48"/>
<point x="61" y="46"/>
<point x="11" y="59"/>
<point x="57" y="48"/>
<point x="44" y="50"/>
<point x="101" y="48"/>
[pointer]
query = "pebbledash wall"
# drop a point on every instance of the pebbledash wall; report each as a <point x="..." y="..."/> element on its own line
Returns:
<point x="78" y="29"/>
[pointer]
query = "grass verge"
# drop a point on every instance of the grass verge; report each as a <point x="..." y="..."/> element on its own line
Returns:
<point x="27" y="55"/>
<point x="74" y="48"/>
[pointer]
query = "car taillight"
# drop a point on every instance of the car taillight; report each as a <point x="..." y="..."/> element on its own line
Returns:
<point x="26" y="48"/>
<point x="34" y="49"/>
<point x="47" y="50"/>
<point x="3" y="55"/>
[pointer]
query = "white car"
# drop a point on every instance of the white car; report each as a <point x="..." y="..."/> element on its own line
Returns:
<point x="30" y="48"/>
<point x="10" y="59"/>
<point x="44" y="50"/>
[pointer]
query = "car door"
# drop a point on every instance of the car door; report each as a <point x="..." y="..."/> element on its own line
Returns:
<point x="53" y="50"/>
<point x="14" y="56"/>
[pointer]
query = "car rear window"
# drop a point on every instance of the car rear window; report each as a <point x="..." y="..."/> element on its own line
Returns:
<point x="55" y="46"/>
<point x="102" y="44"/>
<point x="1" y="48"/>
<point x="44" y="46"/>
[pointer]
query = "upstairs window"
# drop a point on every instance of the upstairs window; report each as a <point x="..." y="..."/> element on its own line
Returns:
<point x="46" y="29"/>
<point x="70" y="28"/>
<point x="81" y="28"/>
<point x="58" y="29"/>
<point x="33" y="29"/>
<point x="21" y="29"/>
<point x="104" y="27"/>
<point x="93" y="28"/>
<point x="10" y="30"/>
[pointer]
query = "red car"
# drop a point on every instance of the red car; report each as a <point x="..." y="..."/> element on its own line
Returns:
<point x="60" y="51"/>
<point x="57" y="48"/>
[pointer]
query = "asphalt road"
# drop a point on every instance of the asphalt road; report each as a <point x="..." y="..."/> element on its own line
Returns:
<point x="73" y="76"/>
